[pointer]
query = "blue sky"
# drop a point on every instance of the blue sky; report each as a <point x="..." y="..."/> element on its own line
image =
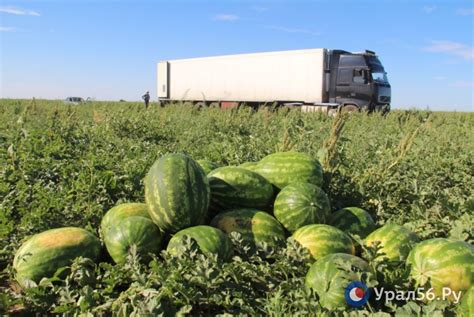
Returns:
<point x="109" y="49"/>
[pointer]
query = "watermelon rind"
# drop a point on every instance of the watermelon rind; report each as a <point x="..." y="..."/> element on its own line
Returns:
<point x="234" y="187"/>
<point x="255" y="226"/>
<point x="208" y="166"/>
<point x="208" y="239"/>
<point x="353" y="220"/>
<point x="44" y="253"/>
<point x="251" y="166"/>
<point x="136" y="231"/>
<point x="442" y="263"/>
<point x="176" y="193"/>
<point x="283" y="168"/>
<point x="122" y="211"/>
<point x="466" y="307"/>
<point x="395" y="242"/>
<point x="300" y="204"/>
<point x="330" y="275"/>
<point x="321" y="240"/>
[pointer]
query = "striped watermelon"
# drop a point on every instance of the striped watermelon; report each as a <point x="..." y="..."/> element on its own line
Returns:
<point x="233" y="187"/>
<point x="138" y="231"/>
<point x="283" y="168"/>
<point x="328" y="278"/>
<point x="122" y="211"/>
<point x="466" y="307"/>
<point x="353" y="220"/>
<point x="321" y="240"/>
<point x="44" y="253"/>
<point x="208" y="240"/>
<point x="176" y="192"/>
<point x="438" y="263"/>
<point x="395" y="241"/>
<point x="208" y="166"/>
<point x="256" y="227"/>
<point x="251" y="166"/>
<point x="300" y="204"/>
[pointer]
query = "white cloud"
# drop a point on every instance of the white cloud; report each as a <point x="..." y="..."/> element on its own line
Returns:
<point x="439" y="78"/>
<point x="293" y="30"/>
<point x="18" y="11"/>
<point x="462" y="84"/>
<point x="395" y="41"/>
<point x="451" y="48"/>
<point x="7" y="29"/>
<point x="429" y="8"/>
<point x="226" y="17"/>
<point x="259" y="8"/>
<point x="465" y="11"/>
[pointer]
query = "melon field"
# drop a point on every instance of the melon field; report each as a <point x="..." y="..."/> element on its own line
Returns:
<point x="111" y="209"/>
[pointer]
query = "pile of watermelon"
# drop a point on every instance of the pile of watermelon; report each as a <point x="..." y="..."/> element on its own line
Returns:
<point x="266" y="202"/>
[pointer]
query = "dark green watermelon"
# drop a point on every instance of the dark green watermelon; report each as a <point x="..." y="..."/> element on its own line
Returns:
<point x="234" y="187"/>
<point x="120" y="212"/>
<point x="44" y="253"/>
<point x="256" y="227"/>
<point x="283" y="168"/>
<point x="395" y="241"/>
<point x="330" y="275"/>
<point x="353" y="220"/>
<point x="208" y="240"/>
<point x="176" y="193"/>
<point x="300" y="204"/>
<point x="136" y="231"/>
<point x="466" y="307"/>
<point x="442" y="263"/>
<point x="251" y="166"/>
<point x="208" y="166"/>
<point x="322" y="240"/>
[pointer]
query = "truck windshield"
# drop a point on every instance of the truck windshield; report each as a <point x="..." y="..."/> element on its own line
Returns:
<point x="376" y="68"/>
<point x="379" y="77"/>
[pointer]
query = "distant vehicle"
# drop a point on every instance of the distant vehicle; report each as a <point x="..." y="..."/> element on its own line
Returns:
<point x="313" y="79"/>
<point x="74" y="100"/>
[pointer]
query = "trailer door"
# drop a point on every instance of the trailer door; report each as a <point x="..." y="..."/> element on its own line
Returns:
<point x="163" y="80"/>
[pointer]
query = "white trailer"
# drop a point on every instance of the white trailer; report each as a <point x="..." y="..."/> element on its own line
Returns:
<point x="298" y="77"/>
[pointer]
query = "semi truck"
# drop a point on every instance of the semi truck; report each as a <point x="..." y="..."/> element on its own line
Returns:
<point x="317" y="79"/>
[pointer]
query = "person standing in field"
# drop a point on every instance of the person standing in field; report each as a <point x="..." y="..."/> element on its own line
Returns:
<point x="146" y="98"/>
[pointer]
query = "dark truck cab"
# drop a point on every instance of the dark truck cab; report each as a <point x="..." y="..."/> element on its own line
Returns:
<point x="357" y="80"/>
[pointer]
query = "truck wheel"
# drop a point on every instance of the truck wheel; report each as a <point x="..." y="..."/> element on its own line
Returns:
<point x="200" y="105"/>
<point x="332" y="112"/>
<point x="350" y="108"/>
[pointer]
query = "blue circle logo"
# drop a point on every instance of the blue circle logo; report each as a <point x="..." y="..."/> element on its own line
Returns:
<point x="357" y="294"/>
